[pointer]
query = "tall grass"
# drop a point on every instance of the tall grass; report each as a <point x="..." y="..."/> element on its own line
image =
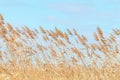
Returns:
<point x="27" y="54"/>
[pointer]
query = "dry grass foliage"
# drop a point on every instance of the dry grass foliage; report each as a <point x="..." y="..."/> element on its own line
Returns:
<point x="27" y="54"/>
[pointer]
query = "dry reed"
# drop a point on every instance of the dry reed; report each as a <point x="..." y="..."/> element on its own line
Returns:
<point x="27" y="54"/>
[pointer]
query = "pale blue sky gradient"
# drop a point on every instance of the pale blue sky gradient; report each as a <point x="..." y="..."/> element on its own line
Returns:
<point x="84" y="15"/>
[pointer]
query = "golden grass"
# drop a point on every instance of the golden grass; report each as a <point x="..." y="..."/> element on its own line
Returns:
<point x="27" y="54"/>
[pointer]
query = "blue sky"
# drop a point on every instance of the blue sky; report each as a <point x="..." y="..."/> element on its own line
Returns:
<point x="84" y="15"/>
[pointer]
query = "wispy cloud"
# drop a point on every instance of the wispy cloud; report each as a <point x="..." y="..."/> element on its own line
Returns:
<point x="51" y="19"/>
<point x="88" y="12"/>
<point x="71" y="8"/>
<point x="114" y="1"/>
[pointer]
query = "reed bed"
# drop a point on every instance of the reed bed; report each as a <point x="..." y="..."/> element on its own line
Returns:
<point x="40" y="54"/>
